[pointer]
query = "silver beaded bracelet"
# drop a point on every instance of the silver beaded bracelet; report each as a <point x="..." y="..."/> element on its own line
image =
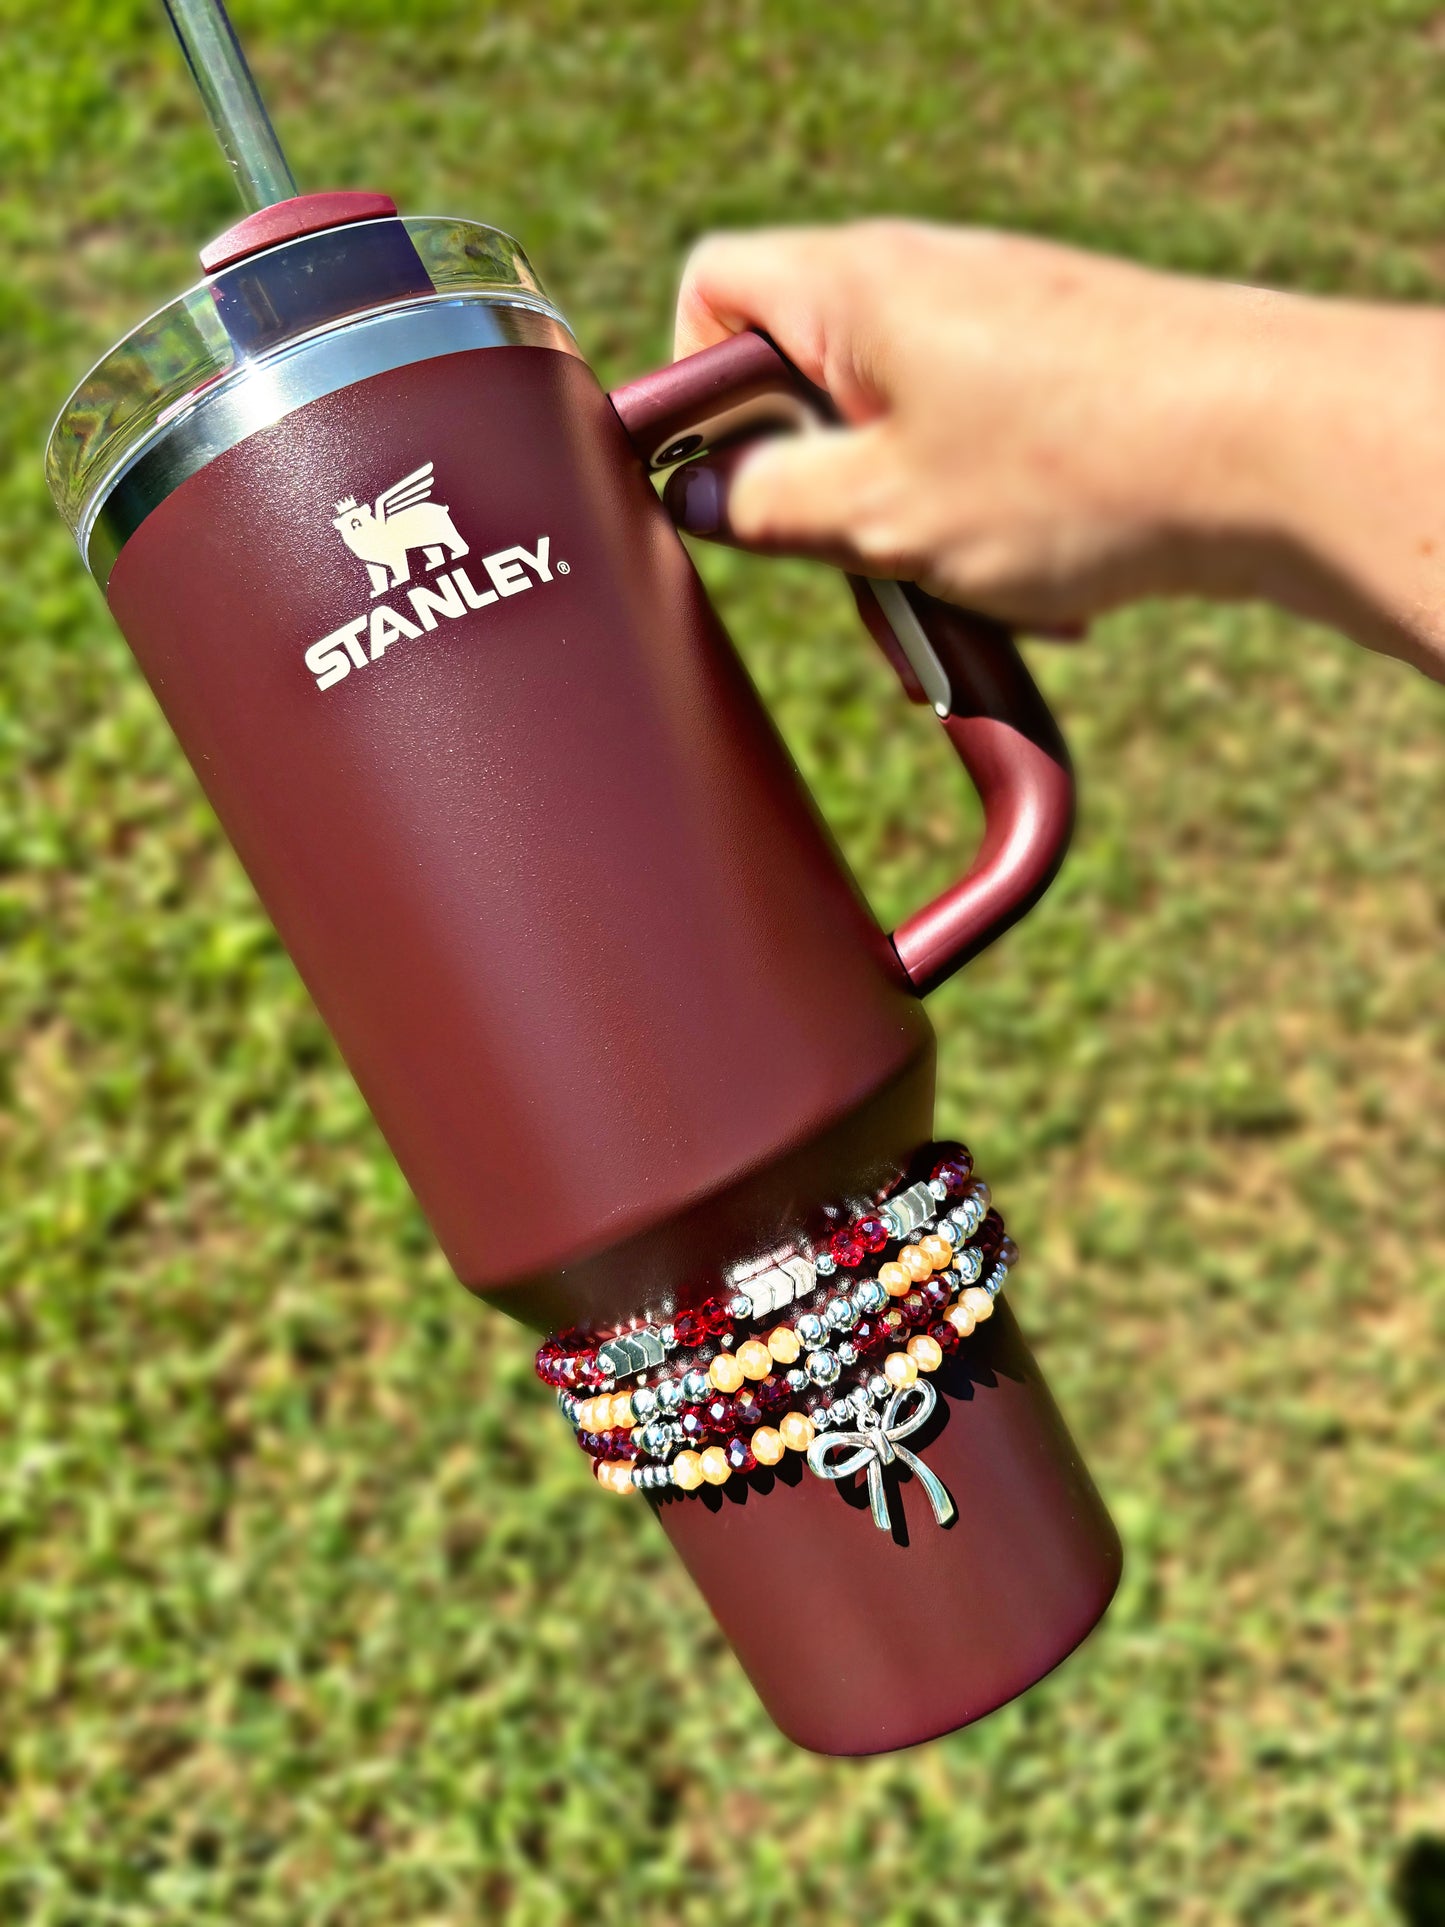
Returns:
<point x="762" y="1293"/>
<point x="657" y="1434"/>
<point x="814" y="1330"/>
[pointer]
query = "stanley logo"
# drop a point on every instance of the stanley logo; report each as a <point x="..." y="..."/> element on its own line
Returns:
<point x="405" y="518"/>
<point x="385" y="537"/>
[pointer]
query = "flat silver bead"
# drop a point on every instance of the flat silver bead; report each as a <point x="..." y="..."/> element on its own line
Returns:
<point x="787" y="1286"/>
<point x="631" y="1352"/>
<point x="899" y="1215"/>
<point x="919" y="1201"/>
<point x="759" y="1295"/>
<point x="801" y="1277"/>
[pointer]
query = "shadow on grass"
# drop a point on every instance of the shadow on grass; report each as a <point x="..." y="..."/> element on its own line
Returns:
<point x="1419" y="1886"/>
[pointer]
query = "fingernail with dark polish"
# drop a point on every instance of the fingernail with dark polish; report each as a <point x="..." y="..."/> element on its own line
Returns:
<point x="696" y="501"/>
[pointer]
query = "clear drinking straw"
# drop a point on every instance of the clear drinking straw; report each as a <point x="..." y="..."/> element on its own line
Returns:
<point x="242" y="125"/>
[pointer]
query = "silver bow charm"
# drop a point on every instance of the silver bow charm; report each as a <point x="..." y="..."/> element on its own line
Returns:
<point x="879" y="1445"/>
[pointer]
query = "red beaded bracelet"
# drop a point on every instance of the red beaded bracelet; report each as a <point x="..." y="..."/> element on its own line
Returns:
<point x="756" y="1389"/>
<point x="572" y="1361"/>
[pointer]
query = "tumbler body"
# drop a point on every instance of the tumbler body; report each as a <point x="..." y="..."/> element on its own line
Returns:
<point x="410" y="603"/>
<point x="545" y="866"/>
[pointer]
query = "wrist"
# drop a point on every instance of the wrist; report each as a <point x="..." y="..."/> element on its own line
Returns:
<point x="1330" y="484"/>
<point x="1241" y="449"/>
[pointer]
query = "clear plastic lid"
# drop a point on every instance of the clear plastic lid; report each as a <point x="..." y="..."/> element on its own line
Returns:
<point x="216" y="331"/>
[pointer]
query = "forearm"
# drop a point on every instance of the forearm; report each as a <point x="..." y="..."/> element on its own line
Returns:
<point x="1337" y="472"/>
<point x="1045" y="434"/>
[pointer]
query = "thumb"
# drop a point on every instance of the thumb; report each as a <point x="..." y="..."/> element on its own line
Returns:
<point x="826" y="495"/>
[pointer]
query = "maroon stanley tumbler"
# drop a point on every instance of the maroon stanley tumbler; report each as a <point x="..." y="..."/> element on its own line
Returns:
<point x="393" y="565"/>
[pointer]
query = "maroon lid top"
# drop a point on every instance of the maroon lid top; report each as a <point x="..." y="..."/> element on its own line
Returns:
<point x="288" y="220"/>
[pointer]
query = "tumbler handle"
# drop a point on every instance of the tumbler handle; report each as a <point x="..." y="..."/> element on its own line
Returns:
<point x="964" y="664"/>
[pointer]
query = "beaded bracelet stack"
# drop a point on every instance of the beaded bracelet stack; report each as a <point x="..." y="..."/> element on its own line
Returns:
<point x="838" y="1381"/>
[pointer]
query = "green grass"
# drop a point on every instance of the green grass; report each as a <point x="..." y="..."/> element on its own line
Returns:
<point x="308" y="1613"/>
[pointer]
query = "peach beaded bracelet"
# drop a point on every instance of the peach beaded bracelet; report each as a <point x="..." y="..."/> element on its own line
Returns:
<point x="866" y="1422"/>
<point x="888" y="1408"/>
<point x="852" y="1323"/>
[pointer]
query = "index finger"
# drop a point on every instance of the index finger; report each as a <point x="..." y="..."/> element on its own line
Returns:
<point x="792" y="283"/>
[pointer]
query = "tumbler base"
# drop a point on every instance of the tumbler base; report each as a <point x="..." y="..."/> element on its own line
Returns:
<point x="864" y="1641"/>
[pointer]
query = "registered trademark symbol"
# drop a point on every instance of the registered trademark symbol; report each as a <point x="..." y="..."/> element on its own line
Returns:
<point x="564" y="568"/>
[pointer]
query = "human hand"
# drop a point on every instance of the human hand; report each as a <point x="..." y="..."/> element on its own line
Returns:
<point x="1044" y="434"/>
